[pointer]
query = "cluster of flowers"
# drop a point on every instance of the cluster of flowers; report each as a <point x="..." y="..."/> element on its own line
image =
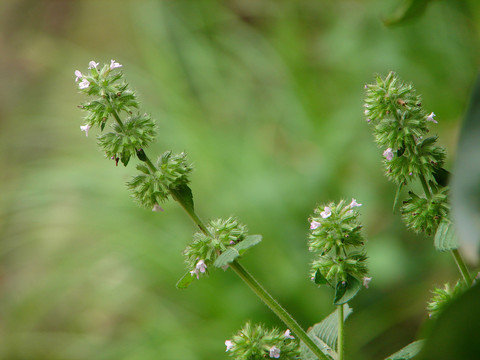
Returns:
<point x="111" y="97"/>
<point x="254" y="342"/>
<point x="336" y="239"/>
<point x="401" y="127"/>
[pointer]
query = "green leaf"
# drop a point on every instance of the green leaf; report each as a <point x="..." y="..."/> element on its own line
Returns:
<point x="408" y="10"/>
<point x="184" y="195"/>
<point x="397" y="196"/>
<point x="445" y="239"/>
<point x="345" y="292"/>
<point x="466" y="178"/>
<point x="325" y="335"/>
<point x="319" y="278"/>
<point x="185" y="281"/>
<point x="408" y="352"/>
<point x="234" y="252"/>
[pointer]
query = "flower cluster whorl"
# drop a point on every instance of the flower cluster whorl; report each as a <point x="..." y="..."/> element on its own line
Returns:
<point x="221" y="235"/>
<point x="254" y="342"/>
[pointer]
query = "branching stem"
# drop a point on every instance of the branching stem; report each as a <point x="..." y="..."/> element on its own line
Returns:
<point x="462" y="267"/>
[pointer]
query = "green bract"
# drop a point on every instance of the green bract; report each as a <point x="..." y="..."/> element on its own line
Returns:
<point x="222" y="234"/>
<point x="153" y="186"/>
<point x="442" y="297"/>
<point x="424" y="215"/>
<point x="254" y="342"/>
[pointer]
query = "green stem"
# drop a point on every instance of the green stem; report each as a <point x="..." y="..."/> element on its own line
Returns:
<point x="242" y="272"/>
<point x="425" y="186"/>
<point x="340" y="341"/>
<point x="462" y="267"/>
<point x="276" y="308"/>
<point x="117" y="118"/>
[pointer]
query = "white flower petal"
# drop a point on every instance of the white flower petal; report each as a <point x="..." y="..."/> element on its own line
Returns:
<point x="314" y="225"/>
<point x="228" y="344"/>
<point x="92" y="64"/>
<point x="274" y="352"/>
<point x="388" y="154"/>
<point x="84" y="84"/>
<point x="354" y="204"/>
<point x="326" y="213"/>
<point x="114" y="65"/>
<point x="85" y="128"/>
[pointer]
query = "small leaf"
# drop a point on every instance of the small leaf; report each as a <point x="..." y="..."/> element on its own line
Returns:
<point x="319" y="278"/>
<point x="226" y="257"/>
<point x="325" y="335"/>
<point x="125" y="158"/>
<point x="185" y="281"/>
<point x="445" y="239"/>
<point x="346" y="292"/>
<point x="141" y="155"/>
<point x="102" y="125"/>
<point x="408" y="352"/>
<point x="184" y="195"/>
<point x="408" y="10"/>
<point x="233" y="252"/>
<point x="442" y="176"/>
<point x="397" y="196"/>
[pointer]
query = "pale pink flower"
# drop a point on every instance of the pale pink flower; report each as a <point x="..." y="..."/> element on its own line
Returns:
<point x="229" y="345"/>
<point x="85" y="128"/>
<point x="431" y="118"/>
<point x="354" y="204"/>
<point x="84" y="84"/>
<point x="388" y="154"/>
<point x="366" y="281"/>
<point x="78" y="75"/>
<point x="114" y="65"/>
<point x="201" y="267"/>
<point x="326" y="213"/>
<point x="274" y="352"/>
<point x="315" y="224"/>
<point x="157" y="208"/>
<point x="92" y="64"/>
<point x="287" y="335"/>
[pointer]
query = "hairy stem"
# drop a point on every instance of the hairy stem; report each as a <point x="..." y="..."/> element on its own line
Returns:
<point x="425" y="186"/>
<point x="340" y="341"/>
<point x="462" y="267"/>
<point x="276" y="308"/>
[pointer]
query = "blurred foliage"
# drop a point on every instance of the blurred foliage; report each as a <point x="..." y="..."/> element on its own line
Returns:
<point x="266" y="99"/>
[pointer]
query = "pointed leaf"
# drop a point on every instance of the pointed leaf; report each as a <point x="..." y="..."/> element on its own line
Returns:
<point x="325" y="334"/>
<point x="319" y="278"/>
<point x="184" y="195"/>
<point x="346" y="292"/>
<point x="185" y="281"/>
<point x="408" y="352"/>
<point x="445" y="239"/>
<point x="233" y="252"/>
<point x="466" y="178"/>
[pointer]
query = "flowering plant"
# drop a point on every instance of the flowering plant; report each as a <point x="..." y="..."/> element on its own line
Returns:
<point x="335" y="236"/>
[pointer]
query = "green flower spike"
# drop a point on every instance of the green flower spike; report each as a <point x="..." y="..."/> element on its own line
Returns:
<point x="442" y="297"/>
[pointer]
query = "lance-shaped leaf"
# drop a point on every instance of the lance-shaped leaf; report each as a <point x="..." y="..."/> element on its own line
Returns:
<point x="234" y="252"/>
<point x="325" y="335"/>
<point x="185" y="281"/>
<point x="344" y="292"/>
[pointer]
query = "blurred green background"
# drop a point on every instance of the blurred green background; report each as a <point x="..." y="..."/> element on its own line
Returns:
<point x="266" y="99"/>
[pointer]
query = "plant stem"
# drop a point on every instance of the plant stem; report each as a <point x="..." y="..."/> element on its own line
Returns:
<point x="243" y="273"/>
<point x="425" y="186"/>
<point x="276" y="308"/>
<point x="340" y="341"/>
<point x="462" y="267"/>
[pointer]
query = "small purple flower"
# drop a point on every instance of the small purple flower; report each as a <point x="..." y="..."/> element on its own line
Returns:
<point x="85" y="128"/>
<point x="229" y="345"/>
<point x="388" y="154"/>
<point x="114" y="65"/>
<point x="366" y="281"/>
<point x="314" y="225"/>
<point x="84" y="84"/>
<point x="157" y="208"/>
<point x="354" y="204"/>
<point x="201" y="267"/>
<point x="287" y="335"/>
<point x="326" y="212"/>
<point x="92" y="64"/>
<point x="274" y="352"/>
<point x="431" y="118"/>
<point x="78" y="75"/>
